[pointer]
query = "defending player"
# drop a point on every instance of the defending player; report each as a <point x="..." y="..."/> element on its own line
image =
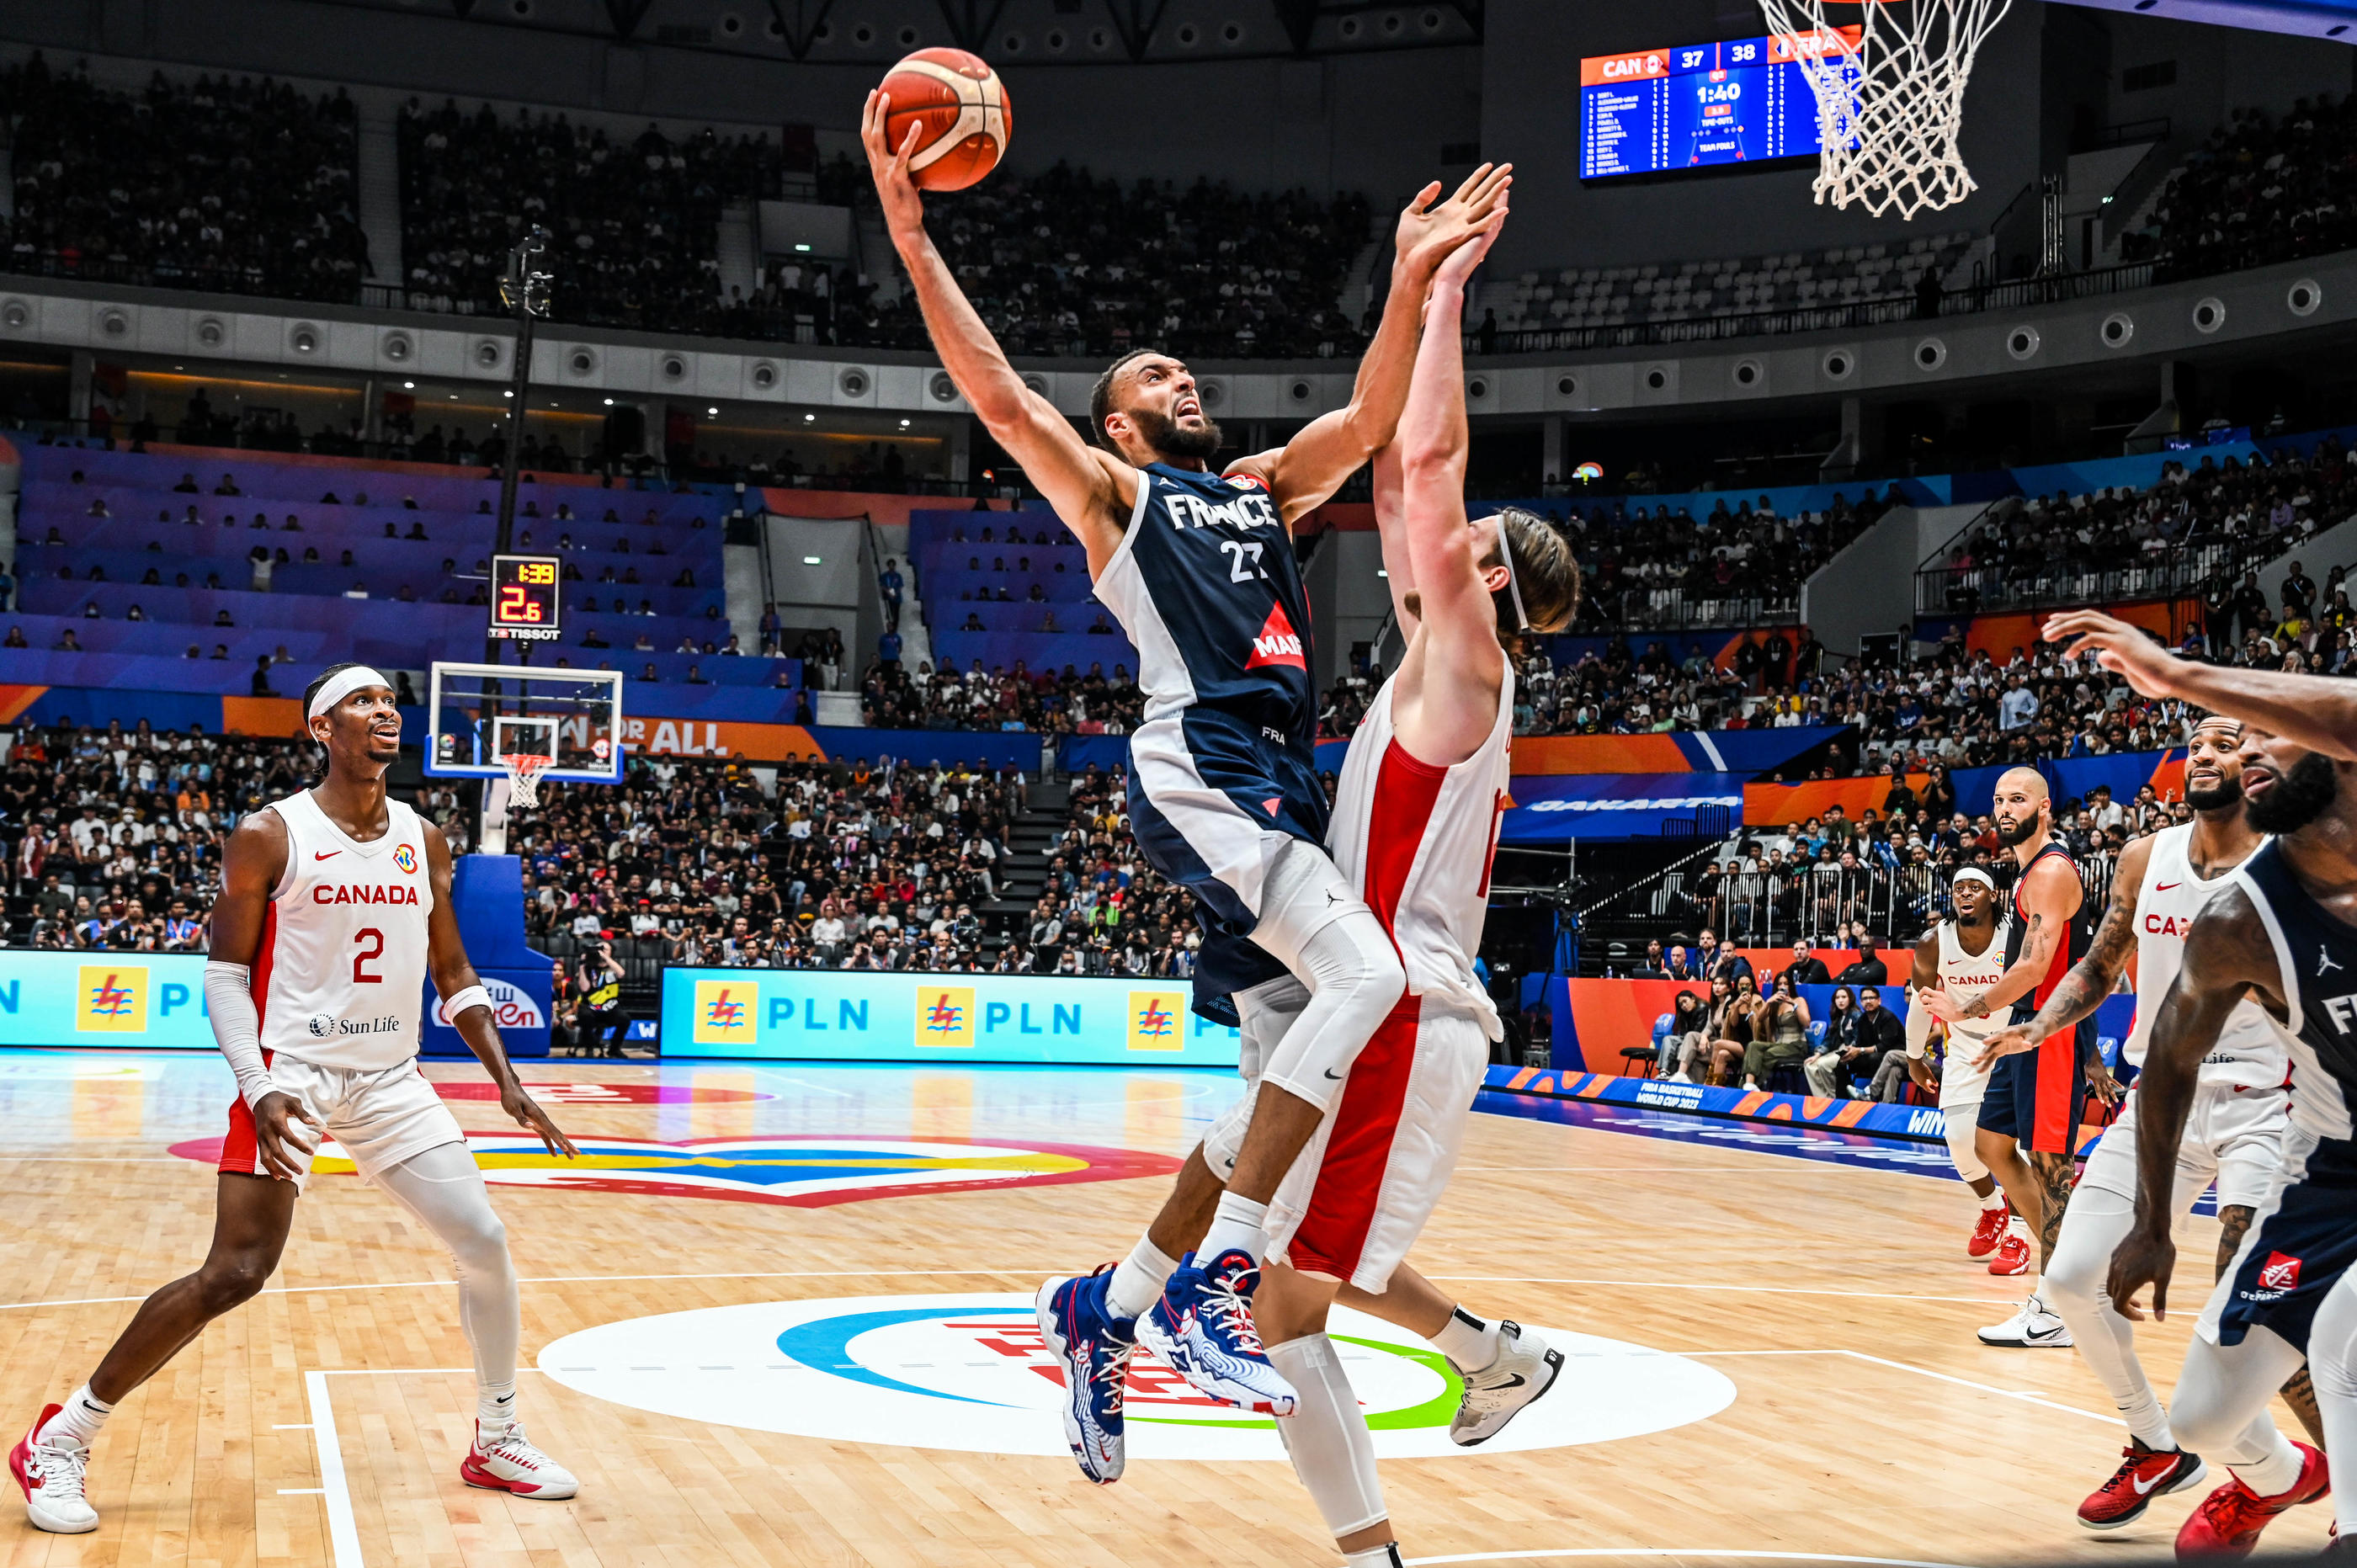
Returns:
<point x="1199" y="569"/>
<point x="1965" y="958"/>
<point x="2282" y="932"/>
<point x="2032" y="1107"/>
<point x="2240" y="1112"/>
<point x="334" y="909"/>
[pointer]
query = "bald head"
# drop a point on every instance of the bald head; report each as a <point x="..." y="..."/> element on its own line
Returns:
<point x="2026" y="782"/>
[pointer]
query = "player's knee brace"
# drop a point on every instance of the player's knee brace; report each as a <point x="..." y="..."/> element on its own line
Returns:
<point x="1326" y="1436"/>
<point x="1355" y="979"/>
<point x="1963" y="1137"/>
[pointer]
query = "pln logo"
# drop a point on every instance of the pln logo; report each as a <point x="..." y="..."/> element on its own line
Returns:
<point x="511" y="1006"/>
<point x="945" y="1017"/>
<point x="723" y="1012"/>
<point x="112" y="999"/>
<point x="1158" y="1020"/>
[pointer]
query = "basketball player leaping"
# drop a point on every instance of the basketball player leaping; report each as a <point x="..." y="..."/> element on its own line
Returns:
<point x="335" y="908"/>
<point x="2236" y="1134"/>
<point x="1224" y="798"/>
<point x="2033" y="1104"/>
<point x="1965" y="957"/>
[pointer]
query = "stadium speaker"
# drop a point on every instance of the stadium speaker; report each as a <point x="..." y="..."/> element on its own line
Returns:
<point x="114" y="321"/>
<point x="1213" y="392"/>
<point x="581" y="361"/>
<point x="1476" y="389"/>
<point x="1567" y="386"/>
<point x="1300" y="390"/>
<point x="1749" y="375"/>
<point x="1839" y="364"/>
<point x="15" y="314"/>
<point x="942" y="387"/>
<point x="304" y="338"/>
<point x="398" y="348"/>
<point x="674" y="368"/>
<point x="1931" y="354"/>
<point x="625" y="434"/>
<point x="2117" y="328"/>
<point x="2022" y="342"/>
<point x="2303" y="296"/>
<point x="487" y="352"/>
<point x="1037" y="384"/>
<point x="212" y="332"/>
<point x="853" y="382"/>
<point x="2208" y="314"/>
<point x="764" y="376"/>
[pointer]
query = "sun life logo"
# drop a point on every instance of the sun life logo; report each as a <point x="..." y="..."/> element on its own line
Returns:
<point x="321" y="1025"/>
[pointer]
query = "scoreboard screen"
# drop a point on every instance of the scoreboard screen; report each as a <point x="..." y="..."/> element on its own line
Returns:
<point x="525" y="597"/>
<point x="1702" y="105"/>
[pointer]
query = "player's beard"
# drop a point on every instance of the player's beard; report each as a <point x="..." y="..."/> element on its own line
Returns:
<point x="2227" y="792"/>
<point x="1170" y="440"/>
<point x="2020" y="834"/>
<point x="2299" y="797"/>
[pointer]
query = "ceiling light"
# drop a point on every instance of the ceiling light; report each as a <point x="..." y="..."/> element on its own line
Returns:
<point x="409" y="386"/>
<point x="609" y="403"/>
<point x="809" y="419"/>
<point x="810" y="561"/>
<point x="712" y="411"/>
<point x="509" y="394"/>
<point x="904" y="424"/>
<point x="804" y="249"/>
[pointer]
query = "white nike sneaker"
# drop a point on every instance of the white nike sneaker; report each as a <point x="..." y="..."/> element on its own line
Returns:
<point x="2031" y="1329"/>
<point x="52" y="1475"/>
<point x="1525" y="1370"/>
<point x="507" y="1463"/>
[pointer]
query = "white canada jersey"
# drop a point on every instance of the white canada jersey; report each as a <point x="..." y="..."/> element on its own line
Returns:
<point x="1968" y="976"/>
<point x="1416" y="840"/>
<point x="2250" y="1052"/>
<point x="340" y="978"/>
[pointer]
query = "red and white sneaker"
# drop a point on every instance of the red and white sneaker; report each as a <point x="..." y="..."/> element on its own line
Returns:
<point x="507" y="1463"/>
<point x="2144" y="1474"/>
<point x="52" y="1475"/>
<point x="2012" y="1255"/>
<point x="2227" y="1522"/>
<point x="1989" y="1231"/>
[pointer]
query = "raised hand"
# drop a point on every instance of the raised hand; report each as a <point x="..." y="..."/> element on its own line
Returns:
<point x="1458" y="269"/>
<point x="904" y="208"/>
<point x="1428" y="232"/>
<point x="2124" y="650"/>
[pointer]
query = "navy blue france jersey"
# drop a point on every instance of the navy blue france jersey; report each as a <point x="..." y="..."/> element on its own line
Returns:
<point x="2317" y="955"/>
<point x="1206" y="584"/>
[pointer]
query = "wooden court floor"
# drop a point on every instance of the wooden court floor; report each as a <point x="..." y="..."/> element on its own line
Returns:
<point x="323" y="1423"/>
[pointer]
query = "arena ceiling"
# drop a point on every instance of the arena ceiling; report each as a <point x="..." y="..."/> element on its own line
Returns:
<point x="1027" y="32"/>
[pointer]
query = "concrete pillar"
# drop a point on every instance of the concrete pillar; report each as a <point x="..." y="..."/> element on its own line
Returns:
<point x="85" y="367"/>
<point x="961" y="450"/>
<point x="1551" y="464"/>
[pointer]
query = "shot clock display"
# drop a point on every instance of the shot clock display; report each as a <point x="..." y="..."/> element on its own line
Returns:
<point x="1700" y="106"/>
<point x="525" y="597"/>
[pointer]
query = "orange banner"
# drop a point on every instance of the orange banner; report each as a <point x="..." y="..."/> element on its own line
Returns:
<point x="1598" y="753"/>
<point x="1775" y="805"/>
<point x="2001" y="637"/>
<point x="262" y="715"/>
<point x="721" y="737"/>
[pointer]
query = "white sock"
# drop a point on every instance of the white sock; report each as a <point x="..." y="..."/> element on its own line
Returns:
<point x="81" y="1417"/>
<point x="2274" y="1474"/>
<point x="1385" y="1556"/>
<point x="1468" y="1341"/>
<point x="1138" y="1279"/>
<point x="495" y="1405"/>
<point x="1993" y="1200"/>
<point x="1240" y="1224"/>
<point x="2148" y="1423"/>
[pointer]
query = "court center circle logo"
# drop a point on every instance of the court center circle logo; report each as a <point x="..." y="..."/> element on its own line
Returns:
<point x="968" y="1372"/>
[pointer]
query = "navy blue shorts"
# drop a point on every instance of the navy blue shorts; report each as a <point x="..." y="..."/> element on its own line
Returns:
<point x="2301" y="1250"/>
<point x="2038" y="1098"/>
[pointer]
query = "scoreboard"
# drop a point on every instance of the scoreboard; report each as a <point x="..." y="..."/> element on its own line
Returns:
<point x="525" y="597"/>
<point x="1701" y="105"/>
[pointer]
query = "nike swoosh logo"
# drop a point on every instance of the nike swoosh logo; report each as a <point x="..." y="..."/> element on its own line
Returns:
<point x="1516" y="1381"/>
<point x="1332" y="1074"/>
<point x="2142" y="1486"/>
<point x="2165" y="886"/>
<point x="322" y="854"/>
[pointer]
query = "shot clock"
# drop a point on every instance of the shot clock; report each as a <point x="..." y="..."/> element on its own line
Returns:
<point x="525" y="597"/>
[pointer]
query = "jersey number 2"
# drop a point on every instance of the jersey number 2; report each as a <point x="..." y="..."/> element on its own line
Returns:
<point x="374" y="941"/>
<point x="1245" y="566"/>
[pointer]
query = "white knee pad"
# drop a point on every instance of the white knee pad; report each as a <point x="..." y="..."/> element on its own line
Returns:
<point x="1354" y="978"/>
<point x="1301" y="892"/>
<point x="1327" y="1436"/>
<point x="2094" y="1225"/>
<point x="1963" y="1130"/>
<point x="1265" y="1012"/>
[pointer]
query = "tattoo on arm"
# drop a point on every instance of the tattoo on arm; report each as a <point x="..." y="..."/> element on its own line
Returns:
<point x="2092" y="978"/>
<point x="2234" y="1222"/>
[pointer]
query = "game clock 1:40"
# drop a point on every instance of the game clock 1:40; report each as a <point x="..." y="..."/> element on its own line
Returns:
<point x="525" y="597"/>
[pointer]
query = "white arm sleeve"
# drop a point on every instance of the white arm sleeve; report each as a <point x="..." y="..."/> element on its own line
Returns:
<point x="1919" y="1024"/>
<point x="237" y="1026"/>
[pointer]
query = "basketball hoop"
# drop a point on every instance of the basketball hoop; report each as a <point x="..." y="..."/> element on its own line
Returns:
<point x="1890" y="95"/>
<point x="523" y="779"/>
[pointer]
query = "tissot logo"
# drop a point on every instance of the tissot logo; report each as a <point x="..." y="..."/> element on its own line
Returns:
<point x="1278" y="643"/>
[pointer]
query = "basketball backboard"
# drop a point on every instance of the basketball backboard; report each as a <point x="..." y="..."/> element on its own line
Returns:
<point x="478" y="714"/>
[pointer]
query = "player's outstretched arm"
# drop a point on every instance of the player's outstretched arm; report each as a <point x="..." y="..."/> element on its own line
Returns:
<point x="1091" y="491"/>
<point x="445" y="960"/>
<point x="2319" y="712"/>
<point x="2227" y="956"/>
<point x="1456" y="689"/>
<point x="1305" y="471"/>
<point x="251" y="867"/>
<point x="2093" y="977"/>
<point x="1399" y="571"/>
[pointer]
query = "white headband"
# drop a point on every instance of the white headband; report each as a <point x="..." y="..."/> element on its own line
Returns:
<point x="342" y="684"/>
<point x="1974" y="874"/>
<point x="1506" y="553"/>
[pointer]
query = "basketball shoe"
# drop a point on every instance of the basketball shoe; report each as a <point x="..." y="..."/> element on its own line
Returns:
<point x="52" y="1475"/>
<point x="2227" y="1522"/>
<point x="1093" y="1348"/>
<point x="2144" y="1474"/>
<point x="1525" y="1370"/>
<point x="1202" y="1329"/>
<point x="1991" y="1231"/>
<point x="2011" y="1255"/>
<point x="2032" y="1328"/>
<point x="505" y="1462"/>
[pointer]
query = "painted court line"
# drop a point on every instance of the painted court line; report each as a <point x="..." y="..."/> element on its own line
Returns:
<point x="1981" y="1301"/>
<point x="2022" y="1394"/>
<point x="1041" y="1271"/>
<point x="1701" y="1552"/>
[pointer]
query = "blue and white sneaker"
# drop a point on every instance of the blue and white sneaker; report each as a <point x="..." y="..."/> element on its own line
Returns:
<point x="1093" y="1348"/>
<point x="1202" y="1328"/>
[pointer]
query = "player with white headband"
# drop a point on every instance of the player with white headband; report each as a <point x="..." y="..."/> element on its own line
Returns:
<point x="334" y="910"/>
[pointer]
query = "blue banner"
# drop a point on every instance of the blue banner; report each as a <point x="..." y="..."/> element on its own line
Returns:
<point x="860" y="1015"/>
<point x="1552" y="808"/>
<point x="96" y="1001"/>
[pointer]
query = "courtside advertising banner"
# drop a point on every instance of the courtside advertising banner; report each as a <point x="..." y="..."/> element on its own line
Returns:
<point x="98" y="1001"/>
<point x="862" y="1015"/>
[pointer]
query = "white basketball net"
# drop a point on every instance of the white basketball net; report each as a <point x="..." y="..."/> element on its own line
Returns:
<point x="523" y="779"/>
<point x="1891" y="105"/>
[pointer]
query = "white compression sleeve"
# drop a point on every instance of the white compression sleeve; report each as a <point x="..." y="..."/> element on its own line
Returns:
<point x="444" y="1190"/>
<point x="1326" y="1436"/>
<point x="237" y="1026"/>
<point x="1919" y="1026"/>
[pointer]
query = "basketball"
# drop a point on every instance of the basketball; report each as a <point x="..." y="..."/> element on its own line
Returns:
<point x="961" y="105"/>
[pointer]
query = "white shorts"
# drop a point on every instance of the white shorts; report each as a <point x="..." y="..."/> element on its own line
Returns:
<point x="378" y="1117"/>
<point x="1355" y="1200"/>
<point x="2233" y="1136"/>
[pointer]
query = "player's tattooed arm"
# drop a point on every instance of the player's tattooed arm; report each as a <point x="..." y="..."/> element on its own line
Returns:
<point x="2091" y="979"/>
<point x="2227" y="956"/>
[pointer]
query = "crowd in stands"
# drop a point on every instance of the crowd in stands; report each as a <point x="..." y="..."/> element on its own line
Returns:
<point x="1733" y="566"/>
<point x="1094" y="702"/>
<point x="2261" y="188"/>
<point x="245" y="185"/>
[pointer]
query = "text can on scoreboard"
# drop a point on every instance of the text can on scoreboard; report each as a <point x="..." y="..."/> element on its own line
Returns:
<point x="525" y="597"/>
